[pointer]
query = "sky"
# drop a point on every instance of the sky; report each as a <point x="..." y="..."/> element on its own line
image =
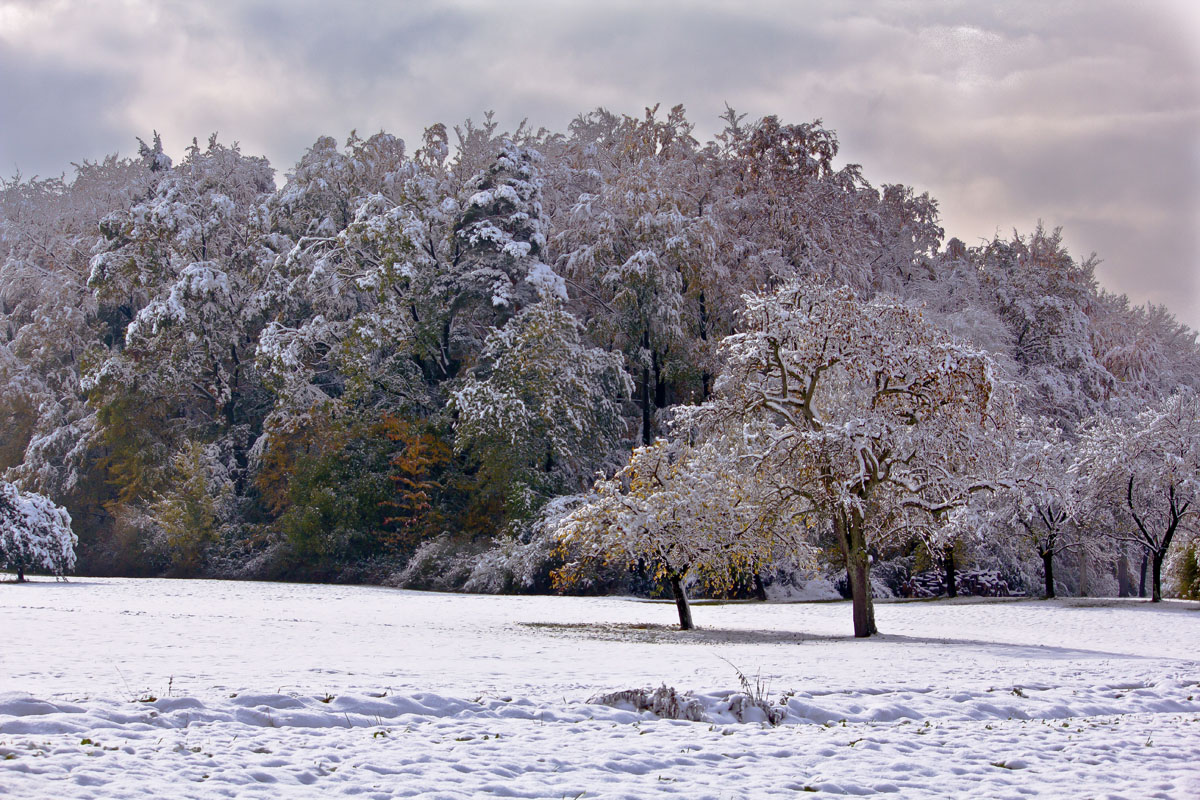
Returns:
<point x="1084" y="115"/>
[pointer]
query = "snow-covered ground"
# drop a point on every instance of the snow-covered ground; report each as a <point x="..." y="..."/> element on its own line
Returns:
<point x="166" y="689"/>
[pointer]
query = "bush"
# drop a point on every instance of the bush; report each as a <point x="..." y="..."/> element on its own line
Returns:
<point x="443" y="563"/>
<point x="1186" y="571"/>
<point x="35" y="533"/>
<point x="970" y="583"/>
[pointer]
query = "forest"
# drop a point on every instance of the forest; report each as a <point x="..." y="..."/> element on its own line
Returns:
<point x="614" y="358"/>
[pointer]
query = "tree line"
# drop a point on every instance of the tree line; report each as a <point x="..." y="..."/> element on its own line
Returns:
<point x="411" y="366"/>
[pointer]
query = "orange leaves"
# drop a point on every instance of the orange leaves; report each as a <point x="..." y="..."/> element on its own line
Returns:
<point x="288" y="446"/>
<point x="417" y="469"/>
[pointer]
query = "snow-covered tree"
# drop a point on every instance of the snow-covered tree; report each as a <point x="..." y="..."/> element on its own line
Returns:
<point x="1045" y="495"/>
<point x="1147" y="350"/>
<point x="359" y="311"/>
<point x="378" y="285"/>
<point x="189" y="512"/>
<point x="198" y="253"/>
<point x="1042" y="294"/>
<point x="955" y="489"/>
<point x="687" y="511"/>
<point x="503" y="235"/>
<point x="1150" y="464"/>
<point x="795" y="207"/>
<point x="865" y="403"/>
<point x="323" y="191"/>
<point x="400" y="298"/>
<point x="541" y="411"/>
<point x="640" y="247"/>
<point x="49" y="319"/>
<point x="958" y="296"/>
<point x="190" y="268"/>
<point x="35" y="533"/>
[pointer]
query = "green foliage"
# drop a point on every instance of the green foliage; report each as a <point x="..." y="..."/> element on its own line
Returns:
<point x="397" y="354"/>
<point x="133" y="439"/>
<point x="333" y="509"/>
<point x="341" y="491"/>
<point x="541" y="411"/>
<point x="188" y="511"/>
<point x="1187" y="571"/>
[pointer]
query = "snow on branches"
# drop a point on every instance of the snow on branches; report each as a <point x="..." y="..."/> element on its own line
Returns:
<point x="190" y="266"/>
<point x="35" y="533"/>
<point x="1045" y="495"/>
<point x="503" y="234"/>
<point x="1150" y="464"/>
<point x="152" y="307"/>
<point x="688" y="511"/>
<point x="541" y="408"/>
<point x="865" y="403"/>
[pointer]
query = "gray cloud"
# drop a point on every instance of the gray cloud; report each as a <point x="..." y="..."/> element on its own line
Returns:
<point x="1084" y="114"/>
<point x="54" y="114"/>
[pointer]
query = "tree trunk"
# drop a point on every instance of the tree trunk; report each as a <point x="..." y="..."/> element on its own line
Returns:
<point x="948" y="562"/>
<point x="1085" y="573"/>
<point x="858" y="571"/>
<point x="646" y="413"/>
<point x="660" y="385"/>
<point x="760" y="590"/>
<point x="1156" y="565"/>
<point x="1142" y="582"/>
<point x="20" y="574"/>
<point x="706" y="377"/>
<point x="681" y="602"/>
<point x="1048" y="572"/>
<point x="1124" y="578"/>
<point x="647" y="397"/>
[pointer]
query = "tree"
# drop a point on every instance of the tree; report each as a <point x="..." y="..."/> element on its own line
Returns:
<point x="1045" y="493"/>
<point x="1145" y="348"/>
<point x="418" y="471"/>
<point x="864" y="405"/>
<point x="189" y="512"/>
<point x="794" y="208"/>
<point x="1151" y="465"/>
<point x="948" y="511"/>
<point x="152" y="311"/>
<point x="51" y="326"/>
<point x="639" y="245"/>
<point x="503" y="236"/>
<point x="191" y="264"/>
<point x="34" y="533"/>
<point x="392" y="304"/>
<point x="541" y="410"/>
<point x="323" y="191"/>
<point x="1043" y="295"/>
<point x="687" y="510"/>
<point x="1187" y="572"/>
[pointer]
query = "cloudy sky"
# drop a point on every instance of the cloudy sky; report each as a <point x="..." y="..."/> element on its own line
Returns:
<point x="1082" y="114"/>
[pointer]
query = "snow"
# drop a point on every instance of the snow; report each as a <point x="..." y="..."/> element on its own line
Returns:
<point x="548" y="283"/>
<point x="159" y="688"/>
<point x="35" y="533"/>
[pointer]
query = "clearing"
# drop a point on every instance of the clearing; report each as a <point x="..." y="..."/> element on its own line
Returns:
<point x="207" y="689"/>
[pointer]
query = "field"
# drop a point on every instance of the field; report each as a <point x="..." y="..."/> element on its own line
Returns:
<point x="181" y="689"/>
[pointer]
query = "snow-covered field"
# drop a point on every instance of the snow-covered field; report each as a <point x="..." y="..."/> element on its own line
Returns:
<point x="165" y="689"/>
